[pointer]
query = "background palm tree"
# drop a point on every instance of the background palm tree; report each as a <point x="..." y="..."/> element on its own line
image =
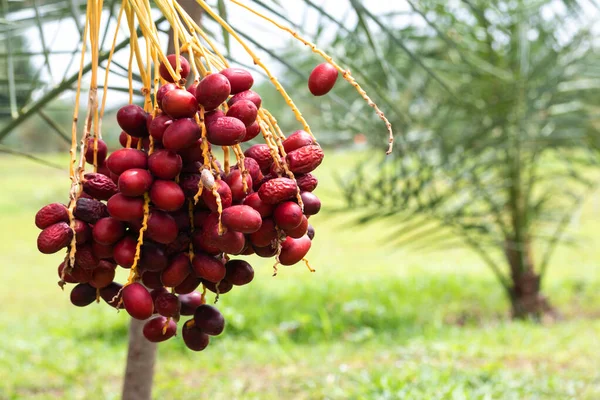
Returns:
<point x="498" y="107"/>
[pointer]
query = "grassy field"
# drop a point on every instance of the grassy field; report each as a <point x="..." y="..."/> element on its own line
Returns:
<point x="371" y="323"/>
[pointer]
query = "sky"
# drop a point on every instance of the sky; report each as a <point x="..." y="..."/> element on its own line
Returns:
<point x="63" y="36"/>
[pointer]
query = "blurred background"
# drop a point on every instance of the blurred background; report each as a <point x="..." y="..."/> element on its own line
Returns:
<point x="465" y="265"/>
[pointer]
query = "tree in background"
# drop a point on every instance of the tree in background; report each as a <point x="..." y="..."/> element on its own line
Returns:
<point x="497" y="104"/>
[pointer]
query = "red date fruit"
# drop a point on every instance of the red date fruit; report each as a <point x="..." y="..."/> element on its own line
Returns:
<point x="83" y="232"/>
<point x="208" y="267"/>
<point x="167" y="305"/>
<point x="102" y="251"/>
<point x="124" y="159"/>
<point x="212" y="116"/>
<point x="230" y="242"/>
<point x="253" y="169"/>
<point x="135" y="182"/>
<point x="192" y="167"/>
<point x="204" y="245"/>
<point x="85" y="257"/>
<point x="294" y="250"/>
<point x="124" y="251"/>
<point x="298" y="231"/>
<point x="296" y="140"/>
<point x="151" y="279"/>
<point x="311" y="232"/>
<point x="213" y="90"/>
<point x="153" y="257"/>
<point x="108" y="231"/>
<point x="265" y="252"/>
<point x="158" y="126"/>
<point x="193" y="154"/>
<point x="189" y="302"/>
<point x="254" y="201"/>
<point x="239" y="272"/>
<point x="242" y="218"/>
<point x="83" y="295"/>
<point x="188" y="285"/>
<point x="288" y="215"/>
<point x="223" y="286"/>
<point x="153" y="329"/>
<point x="110" y="294"/>
<point x="209" y="320"/>
<point x="179" y="104"/>
<point x="181" y="243"/>
<point x="167" y="195"/>
<point x="177" y="271"/>
<point x="102" y="151"/>
<point x="192" y="88"/>
<point x="114" y="177"/>
<point x="189" y="184"/>
<point x="262" y="155"/>
<point x="277" y="170"/>
<point x="182" y="219"/>
<point x="125" y="208"/>
<point x="137" y="301"/>
<point x="103" y="169"/>
<point x="123" y="137"/>
<point x="157" y="292"/>
<point x="164" y="164"/>
<point x="162" y="227"/>
<point x="181" y="134"/>
<point x="265" y="235"/>
<point x="266" y="178"/>
<point x="103" y="275"/>
<point x="226" y="131"/>
<point x="236" y="184"/>
<point x="312" y="204"/>
<point x="248" y="250"/>
<point x="172" y="59"/>
<point x="322" y="79"/>
<point x="224" y="192"/>
<point x="194" y="338"/>
<point x="132" y="119"/>
<point x="252" y="131"/>
<point x="239" y="79"/>
<point x="245" y="111"/>
<point x="246" y="95"/>
<point x="77" y="274"/>
<point x="160" y="93"/>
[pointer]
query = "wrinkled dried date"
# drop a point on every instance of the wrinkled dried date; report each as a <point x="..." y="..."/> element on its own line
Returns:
<point x="305" y="159"/>
<point x="54" y="237"/>
<point x="90" y="210"/>
<point x="51" y="214"/>
<point x="277" y="190"/>
<point x="99" y="186"/>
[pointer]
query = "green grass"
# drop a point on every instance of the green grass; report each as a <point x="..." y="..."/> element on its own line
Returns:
<point x="371" y="323"/>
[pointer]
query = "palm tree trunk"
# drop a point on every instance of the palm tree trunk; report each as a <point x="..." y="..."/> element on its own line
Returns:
<point x="525" y="294"/>
<point x="141" y="354"/>
<point x="194" y="10"/>
<point x="139" y="371"/>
